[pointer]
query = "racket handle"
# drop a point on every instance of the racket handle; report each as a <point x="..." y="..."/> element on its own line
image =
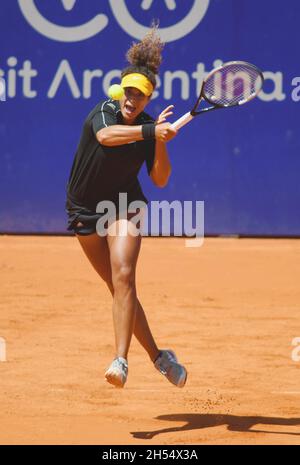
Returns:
<point x="182" y="121"/>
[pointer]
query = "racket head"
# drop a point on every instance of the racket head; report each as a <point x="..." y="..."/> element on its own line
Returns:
<point x="233" y="83"/>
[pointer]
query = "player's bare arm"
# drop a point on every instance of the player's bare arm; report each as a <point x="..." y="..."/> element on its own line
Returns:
<point x="119" y="135"/>
<point x="164" y="132"/>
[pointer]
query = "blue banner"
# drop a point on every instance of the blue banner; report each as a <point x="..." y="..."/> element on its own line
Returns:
<point x="58" y="58"/>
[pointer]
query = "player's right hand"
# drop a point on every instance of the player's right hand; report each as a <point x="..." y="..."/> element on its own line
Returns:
<point x="164" y="132"/>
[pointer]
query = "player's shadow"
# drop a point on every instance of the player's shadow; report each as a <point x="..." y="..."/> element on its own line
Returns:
<point x="233" y="423"/>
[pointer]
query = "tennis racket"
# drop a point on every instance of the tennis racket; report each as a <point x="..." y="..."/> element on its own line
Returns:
<point x="232" y="84"/>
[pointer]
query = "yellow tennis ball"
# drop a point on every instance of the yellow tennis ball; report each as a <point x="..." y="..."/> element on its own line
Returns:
<point x="116" y="92"/>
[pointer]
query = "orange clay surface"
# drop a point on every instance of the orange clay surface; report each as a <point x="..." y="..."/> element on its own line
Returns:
<point x="229" y="309"/>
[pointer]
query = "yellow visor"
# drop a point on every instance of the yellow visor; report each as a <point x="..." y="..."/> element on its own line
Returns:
<point x="139" y="81"/>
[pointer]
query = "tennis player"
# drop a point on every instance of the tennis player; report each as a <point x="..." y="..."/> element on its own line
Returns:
<point x="117" y="137"/>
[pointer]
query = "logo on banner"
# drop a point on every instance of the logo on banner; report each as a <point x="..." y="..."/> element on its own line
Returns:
<point x="122" y="15"/>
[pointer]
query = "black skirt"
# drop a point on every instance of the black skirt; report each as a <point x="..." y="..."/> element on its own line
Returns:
<point x="87" y="217"/>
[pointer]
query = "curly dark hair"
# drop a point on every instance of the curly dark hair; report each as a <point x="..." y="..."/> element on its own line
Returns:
<point x="145" y="56"/>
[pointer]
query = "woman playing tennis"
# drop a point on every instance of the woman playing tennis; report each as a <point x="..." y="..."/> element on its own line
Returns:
<point x="117" y="137"/>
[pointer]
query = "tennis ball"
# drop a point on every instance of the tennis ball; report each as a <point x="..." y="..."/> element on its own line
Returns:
<point x="116" y="92"/>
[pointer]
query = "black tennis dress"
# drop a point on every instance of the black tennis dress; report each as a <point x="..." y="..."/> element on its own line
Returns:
<point x="100" y="172"/>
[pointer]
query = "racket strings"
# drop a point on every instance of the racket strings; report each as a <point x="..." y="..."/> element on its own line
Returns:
<point x="233" y="84"/>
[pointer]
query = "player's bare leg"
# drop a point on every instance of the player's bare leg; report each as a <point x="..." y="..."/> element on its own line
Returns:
<point x="124" y="250"/>
<point x="97" y="251"/>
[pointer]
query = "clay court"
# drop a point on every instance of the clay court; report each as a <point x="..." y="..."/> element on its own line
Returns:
<point x="229" y="308"/>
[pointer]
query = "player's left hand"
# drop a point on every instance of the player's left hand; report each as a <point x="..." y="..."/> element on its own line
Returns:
<point x="164" y="114"/>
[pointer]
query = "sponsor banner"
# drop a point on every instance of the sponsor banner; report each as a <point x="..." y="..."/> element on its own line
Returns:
<point x="58" y="59"/>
